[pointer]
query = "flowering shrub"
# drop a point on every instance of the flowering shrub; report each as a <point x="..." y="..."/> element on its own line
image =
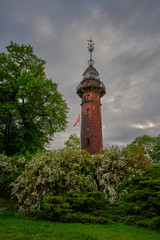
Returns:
<point x="53" y="173"/>
<point x="10" y="169"/>
<point x="115" y="166"/>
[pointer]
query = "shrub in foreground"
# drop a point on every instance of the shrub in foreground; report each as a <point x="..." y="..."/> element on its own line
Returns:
<point x="10" y="169"/>
<point x="140" y="204"/>
<point x="75" y="207"/>
<point x="53" y="173"/>
<point x="116" y="166"/>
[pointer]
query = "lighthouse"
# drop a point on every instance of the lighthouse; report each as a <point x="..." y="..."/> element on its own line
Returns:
<point x="91" y="90"/>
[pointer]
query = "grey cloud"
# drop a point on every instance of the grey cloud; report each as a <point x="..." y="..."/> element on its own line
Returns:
<point x="127" y="56"/>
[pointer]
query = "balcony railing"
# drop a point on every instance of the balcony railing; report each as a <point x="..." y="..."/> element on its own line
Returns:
<point x="83" y="85"/>
<point x="103" y="86"/>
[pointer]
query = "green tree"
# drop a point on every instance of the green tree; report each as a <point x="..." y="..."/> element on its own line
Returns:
<point x="146" y="141"/>
<point x="73" y="142"/>
<point x="150" y="144"/>
<point x="155" y="153"/>
<point x="31" y="108"/>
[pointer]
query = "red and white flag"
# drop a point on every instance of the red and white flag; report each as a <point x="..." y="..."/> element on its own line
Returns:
<point x="78" y="120"/>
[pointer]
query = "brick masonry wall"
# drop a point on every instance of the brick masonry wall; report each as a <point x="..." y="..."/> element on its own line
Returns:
<point x="91" y="123"/>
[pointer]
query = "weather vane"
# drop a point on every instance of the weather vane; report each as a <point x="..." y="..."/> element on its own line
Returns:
<point x="91" y="44"/>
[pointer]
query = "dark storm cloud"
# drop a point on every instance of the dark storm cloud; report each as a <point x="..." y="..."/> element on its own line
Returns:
<point x="134" y="16"/>
<point x="127" y="56"/>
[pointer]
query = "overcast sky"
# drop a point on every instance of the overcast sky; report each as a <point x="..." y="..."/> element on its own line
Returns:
<point x="127" y="57"/>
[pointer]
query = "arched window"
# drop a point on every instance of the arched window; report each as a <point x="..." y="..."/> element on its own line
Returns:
<point x="88" y="97"/>
<point x="87" y="111"/>
<point x="88" y="142"/>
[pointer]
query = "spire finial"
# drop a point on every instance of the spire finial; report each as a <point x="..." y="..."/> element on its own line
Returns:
<point x="91" y="44"/>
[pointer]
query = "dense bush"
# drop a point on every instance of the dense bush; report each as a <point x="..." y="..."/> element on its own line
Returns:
<point x="74" y="207"/>
<point x="10" y="169"/>
<point x="115" y="166"/>
<point x="140" y="203"/>
<point x="55" y="173"/>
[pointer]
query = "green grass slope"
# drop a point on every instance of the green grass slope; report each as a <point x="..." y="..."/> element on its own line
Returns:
<point x="18" y="227"/>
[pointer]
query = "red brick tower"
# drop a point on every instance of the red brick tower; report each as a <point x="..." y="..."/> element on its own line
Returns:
<point x="91" y="89"/>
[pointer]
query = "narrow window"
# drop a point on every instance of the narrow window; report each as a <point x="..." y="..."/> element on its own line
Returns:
<point x="87" y="97"/>
<point x="88" y="142"/>
<point x="87" y="111"/>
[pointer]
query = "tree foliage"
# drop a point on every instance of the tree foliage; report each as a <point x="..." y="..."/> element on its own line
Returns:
<point x="140" y="202"/>
<point x="150" y="144"/>
<point x="73" y="142"/>
<point x="31" y="108"/>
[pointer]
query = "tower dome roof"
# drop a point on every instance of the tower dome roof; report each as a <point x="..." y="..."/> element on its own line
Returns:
<point x="91" y="73"/>
<point x="91" y="80"/>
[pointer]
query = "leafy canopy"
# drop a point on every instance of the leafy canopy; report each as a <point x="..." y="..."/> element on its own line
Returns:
<point x="73" y="142"/>
<point x="140" y="202"/>
<point x="150" y="144"/>
<point x="31" y="108"/>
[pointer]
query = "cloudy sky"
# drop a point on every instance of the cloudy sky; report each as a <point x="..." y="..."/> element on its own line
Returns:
<point x="127" y="56"/>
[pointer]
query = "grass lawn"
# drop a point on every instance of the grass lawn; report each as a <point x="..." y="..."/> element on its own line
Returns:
<point x="22" y="228"/>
